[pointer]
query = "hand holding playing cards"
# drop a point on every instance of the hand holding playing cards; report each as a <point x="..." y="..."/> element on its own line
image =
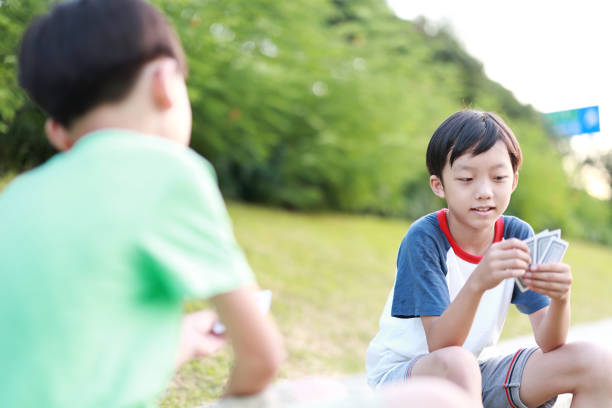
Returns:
<point x="505" y="259"/>
<point x="551" y="279"/>
<point x="547" y="248"/>
<point x="196" y="337"/>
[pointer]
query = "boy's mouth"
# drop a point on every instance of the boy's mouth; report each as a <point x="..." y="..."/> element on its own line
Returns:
<point x="483" y="210"/>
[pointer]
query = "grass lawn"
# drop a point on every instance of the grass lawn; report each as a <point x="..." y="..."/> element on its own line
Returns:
<point x="330" y="275"/>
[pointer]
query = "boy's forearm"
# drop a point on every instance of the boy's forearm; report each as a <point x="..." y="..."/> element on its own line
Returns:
<point x="257" y="344"/>
<point x="453" y="326"/>
<point x="554" y="327"/>
<point x="250" y="377"/>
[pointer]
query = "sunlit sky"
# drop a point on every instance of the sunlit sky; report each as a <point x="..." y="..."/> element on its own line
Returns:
<point x="554" y="55"/>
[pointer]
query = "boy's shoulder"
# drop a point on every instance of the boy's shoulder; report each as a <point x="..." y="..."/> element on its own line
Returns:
<point x="426" y="225"/>
<point x="134" y="154"/>
<point x="514" y="227"/>
<point x="425" y="233"/>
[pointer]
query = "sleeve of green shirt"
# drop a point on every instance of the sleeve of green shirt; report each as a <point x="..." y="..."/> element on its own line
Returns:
<point x="189" y="247"/>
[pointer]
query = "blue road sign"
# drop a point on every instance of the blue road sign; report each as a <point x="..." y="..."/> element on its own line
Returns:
<point x="575" y="121"/>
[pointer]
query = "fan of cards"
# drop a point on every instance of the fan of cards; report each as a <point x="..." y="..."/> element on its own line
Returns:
<point x="545" y="247"/>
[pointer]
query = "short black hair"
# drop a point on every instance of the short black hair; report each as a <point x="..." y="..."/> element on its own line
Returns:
<point x="87" y="52"/>
<point x="469" y="131"/>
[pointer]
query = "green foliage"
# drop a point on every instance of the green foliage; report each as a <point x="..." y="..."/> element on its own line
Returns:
<point x="21" y="144"/>
<point x="326" y="104"/>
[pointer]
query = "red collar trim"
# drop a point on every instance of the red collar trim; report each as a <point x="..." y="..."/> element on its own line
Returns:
<point x="466" y="256"/>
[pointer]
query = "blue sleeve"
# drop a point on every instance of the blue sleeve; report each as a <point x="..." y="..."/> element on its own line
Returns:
<point x="529" y="301"/>
<point x="516" y="228"/>
<point x="420" y="284"/>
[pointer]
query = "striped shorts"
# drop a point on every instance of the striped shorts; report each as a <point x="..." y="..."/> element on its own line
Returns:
<point x="501" y="379"/>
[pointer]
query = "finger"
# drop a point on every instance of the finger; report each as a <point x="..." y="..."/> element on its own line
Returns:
<point x="548" y="288"/>
<point x="549" y="293"/>
<point x="209" y="345"/>
<point x="514" y="273"/>
<point x="512" y="263"/>
<point x="513" y="253"/>
<point x="513" y="243"/>
<point x="551" y="267"/>
<point x="549" y="277"/>
<point x="541" y="285"/>
<point x="203" y="320"/>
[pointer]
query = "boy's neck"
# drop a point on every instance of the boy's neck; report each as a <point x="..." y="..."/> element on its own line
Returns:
<point x="122" y="115"/>
<point x="472" y="240"/>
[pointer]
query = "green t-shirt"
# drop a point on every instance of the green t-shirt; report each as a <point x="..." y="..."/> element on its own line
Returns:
<point x="99" y="247"/>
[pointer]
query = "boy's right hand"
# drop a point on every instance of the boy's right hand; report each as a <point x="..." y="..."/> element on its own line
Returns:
<point x="506" y="259"/>
<point x="196" y="337"/>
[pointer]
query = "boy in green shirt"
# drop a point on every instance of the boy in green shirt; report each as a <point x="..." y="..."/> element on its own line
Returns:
<point x="101" y="245"/>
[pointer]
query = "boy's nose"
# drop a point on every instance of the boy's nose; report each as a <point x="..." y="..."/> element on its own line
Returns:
<point x="484" y="191"/>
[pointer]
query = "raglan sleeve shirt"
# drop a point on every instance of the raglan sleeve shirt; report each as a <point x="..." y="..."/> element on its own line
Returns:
<point x="420" y="286"/>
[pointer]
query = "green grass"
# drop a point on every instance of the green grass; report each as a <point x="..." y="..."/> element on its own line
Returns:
<point x="330" y="275"/>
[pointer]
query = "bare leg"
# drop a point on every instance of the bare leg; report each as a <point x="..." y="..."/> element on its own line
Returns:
<point x="427" y="392"/>
<point x="582" y="369"/>
<point x="455" y="364"/>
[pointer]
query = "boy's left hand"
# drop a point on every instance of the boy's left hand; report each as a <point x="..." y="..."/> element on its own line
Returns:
<point x="551" y="279"/>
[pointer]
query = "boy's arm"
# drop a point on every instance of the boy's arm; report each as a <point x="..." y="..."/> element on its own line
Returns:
<point x="257" y="345"/>
<point x="453" y="326"/>
<point x="551" y="324"/>
<point x="505" y="259"/>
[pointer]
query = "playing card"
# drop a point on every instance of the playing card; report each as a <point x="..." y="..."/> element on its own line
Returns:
<point x="521" y="285"/>
<point x="543" y="239"/>
<point x="532" y="243"/>
<point x="555" y="251"/>
<point x="545" y="247"/>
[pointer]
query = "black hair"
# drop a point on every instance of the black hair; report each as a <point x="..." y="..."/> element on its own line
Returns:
<point x="469" y="131"/>
<point x="87" y="52"/>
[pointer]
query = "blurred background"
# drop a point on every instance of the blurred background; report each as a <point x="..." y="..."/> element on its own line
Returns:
<point x="316" y="116"/>
<point x="329" y="104"/>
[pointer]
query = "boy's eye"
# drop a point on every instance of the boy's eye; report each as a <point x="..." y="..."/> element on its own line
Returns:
<point x="464" y="179"/>
<point x="500" y="178"/>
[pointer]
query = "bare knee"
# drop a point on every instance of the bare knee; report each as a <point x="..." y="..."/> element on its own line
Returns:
<point x="454" y="362"/>
<point x="426" y="391"/>
<point x="590" y="364"/>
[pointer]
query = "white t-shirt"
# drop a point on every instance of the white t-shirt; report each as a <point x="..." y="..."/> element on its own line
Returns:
<point x="431" y="270"/>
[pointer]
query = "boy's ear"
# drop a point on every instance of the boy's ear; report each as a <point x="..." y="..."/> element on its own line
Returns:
<point x="515" y="181"/>
<point x="436" y="185"/>
<point x="163" y="77"/>
<point x="58" y="135"/>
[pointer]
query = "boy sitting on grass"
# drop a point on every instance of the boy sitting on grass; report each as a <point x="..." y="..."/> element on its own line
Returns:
<point x="455" y="282"/>
<point x="101" y="245"/>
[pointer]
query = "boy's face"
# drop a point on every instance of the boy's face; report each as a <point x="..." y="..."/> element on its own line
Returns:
<point x="477" y="189"/>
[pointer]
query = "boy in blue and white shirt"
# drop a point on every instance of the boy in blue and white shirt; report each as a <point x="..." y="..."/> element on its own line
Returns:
<point x="455" y="282"/>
